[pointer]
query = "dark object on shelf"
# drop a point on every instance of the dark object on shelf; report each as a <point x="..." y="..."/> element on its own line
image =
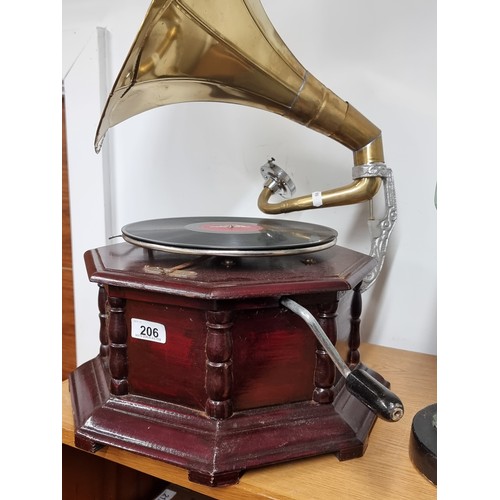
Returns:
<point x="423" y="442"/>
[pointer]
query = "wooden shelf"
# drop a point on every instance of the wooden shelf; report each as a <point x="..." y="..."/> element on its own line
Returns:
<point x="384" y="472"/>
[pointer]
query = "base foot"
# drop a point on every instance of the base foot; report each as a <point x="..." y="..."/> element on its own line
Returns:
<point x="215" y="479"/>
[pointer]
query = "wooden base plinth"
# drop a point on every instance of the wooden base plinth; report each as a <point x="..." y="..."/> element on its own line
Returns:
<point x="202" y="367"/>
<point x="215" y="452"/>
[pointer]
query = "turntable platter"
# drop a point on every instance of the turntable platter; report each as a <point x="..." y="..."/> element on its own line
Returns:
<point x="229" y="236"/>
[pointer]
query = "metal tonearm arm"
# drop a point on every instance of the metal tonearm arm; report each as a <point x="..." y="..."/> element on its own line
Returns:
<point x="279" y="182"/>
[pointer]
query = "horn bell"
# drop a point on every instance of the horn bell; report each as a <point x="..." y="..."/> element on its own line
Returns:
<point x="221" y="51"/>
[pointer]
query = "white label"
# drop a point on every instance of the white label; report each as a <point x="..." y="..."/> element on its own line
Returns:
<point x="147" y="330"/>
<point x="166" y="495"/>
<point x="317" y="198"/>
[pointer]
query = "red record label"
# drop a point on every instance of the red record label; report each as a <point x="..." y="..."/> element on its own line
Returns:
<point x="233" y="227"/>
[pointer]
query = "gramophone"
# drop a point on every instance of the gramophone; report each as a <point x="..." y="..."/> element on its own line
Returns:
<point x="219" y="334"/>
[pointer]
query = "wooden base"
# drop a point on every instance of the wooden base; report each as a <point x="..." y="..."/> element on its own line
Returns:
<point x="219" y="377"/>
<point x="215" y="452"/>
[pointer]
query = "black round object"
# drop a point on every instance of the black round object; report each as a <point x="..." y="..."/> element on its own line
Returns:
<point x="229" y="235"/>
<point x="423" y="442"/>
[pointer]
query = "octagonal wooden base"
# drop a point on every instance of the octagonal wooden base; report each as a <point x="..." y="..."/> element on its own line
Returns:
<point x="233" y="380"/>
<point x="215" y="452"/>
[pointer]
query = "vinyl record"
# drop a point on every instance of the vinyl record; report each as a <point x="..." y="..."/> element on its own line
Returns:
<point x="229" y="235"/>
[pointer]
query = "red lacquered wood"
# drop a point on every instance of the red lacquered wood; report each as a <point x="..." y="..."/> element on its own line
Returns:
<point x="336" y="268"/>
<point x="118" y="362"/>
<point x="240" y="381"/>
<point x="219" y="365"/>
<point x="354" y="334"/>
<point x="103" y="318"/>
<point x="325" y="372"/>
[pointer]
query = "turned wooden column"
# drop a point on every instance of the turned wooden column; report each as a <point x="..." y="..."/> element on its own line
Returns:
<point x="354" y="335"/>
<point x="325" y="370"/>
<point x="219" y="365"/>
<point x="102" y="301"/>
<point x="118" y="365"/>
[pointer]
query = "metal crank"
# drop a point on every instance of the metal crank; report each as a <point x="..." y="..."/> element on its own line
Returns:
<point x="378" y="398"/>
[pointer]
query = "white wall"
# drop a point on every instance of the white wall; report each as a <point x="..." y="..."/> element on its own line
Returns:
<point x="199" y="159"/>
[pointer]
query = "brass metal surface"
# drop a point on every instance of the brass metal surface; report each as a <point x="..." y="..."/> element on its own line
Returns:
<point x="356" y="192"/>
<point x="220" y="51"/>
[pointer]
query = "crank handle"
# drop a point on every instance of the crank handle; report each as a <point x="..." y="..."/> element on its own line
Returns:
<point x="376" y="396"/>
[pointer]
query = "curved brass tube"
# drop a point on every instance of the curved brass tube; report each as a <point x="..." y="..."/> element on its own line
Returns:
<point x="360" y="190"/>
<point x="356" y="192"/>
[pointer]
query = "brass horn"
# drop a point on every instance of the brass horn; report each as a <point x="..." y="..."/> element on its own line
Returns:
<point x="221" y="51"/>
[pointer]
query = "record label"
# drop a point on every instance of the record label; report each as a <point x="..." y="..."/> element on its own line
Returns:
<point x="236" y="227"/>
